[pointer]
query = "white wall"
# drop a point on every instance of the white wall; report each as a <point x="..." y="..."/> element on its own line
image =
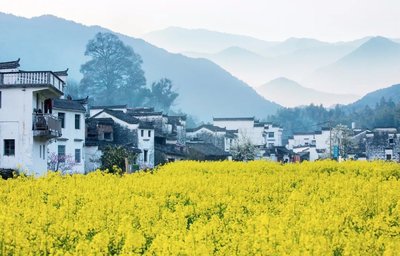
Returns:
<point x="245" y="129"/>
<point x="277" y="139"/>
<point x="16" y="123"/>
<point x="71" y="138"/>
<point x="146" y="142"/>
<point x="323" y="140"/>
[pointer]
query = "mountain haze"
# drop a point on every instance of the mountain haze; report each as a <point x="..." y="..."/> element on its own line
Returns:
<point x="372" y="98"/>
<point x="373" y="65"/>
<point x="205" y="89"/>
<point x="175" y="39"/>
<point x="291" y="94"/>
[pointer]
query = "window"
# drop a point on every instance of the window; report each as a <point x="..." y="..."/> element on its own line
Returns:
<point x="388" y="157"/>
<point x="9" y="147"/>
<point x="44" y="152"/>
<point x="391" y="141"/>
<point x="271" y="135"/>
<point x="145" y="155"/>
<point x="77" y="122"/>
<point x="77" y="155"/>
<point x="40" y="151"/>
<point x="61" y="117"/>
<point x="61" y="153"/>
<point x="0" y="99"/>
<point x="141" y="133"/>
<point x="107" y="136"/>
<point x="149" y="133"/>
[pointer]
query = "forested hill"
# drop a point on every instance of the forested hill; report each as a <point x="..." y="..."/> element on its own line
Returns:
<point x="371" y="99"/>
<point x="205" y="89"/>
<point x="377" y="109"/>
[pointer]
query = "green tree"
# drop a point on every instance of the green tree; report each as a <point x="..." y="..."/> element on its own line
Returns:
<point x="163" y="95"/>
<point x="114" y="156"/>
<point x="113" y="74"/>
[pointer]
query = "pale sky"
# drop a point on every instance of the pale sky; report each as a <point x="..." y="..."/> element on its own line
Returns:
<point x="332" y="20"/>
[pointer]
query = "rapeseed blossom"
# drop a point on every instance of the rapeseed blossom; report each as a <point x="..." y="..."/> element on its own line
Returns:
<point x="207" y="208"/>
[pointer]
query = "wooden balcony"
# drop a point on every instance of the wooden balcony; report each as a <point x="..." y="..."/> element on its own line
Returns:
<point x="31" y="78"/>
<point x="46" y="126"/>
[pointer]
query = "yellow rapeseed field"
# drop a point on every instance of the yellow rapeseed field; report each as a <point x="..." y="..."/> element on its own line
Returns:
<point x="209" y="208"/>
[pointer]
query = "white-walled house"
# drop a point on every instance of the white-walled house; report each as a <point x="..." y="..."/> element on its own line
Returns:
<point x="259" y="133"/>
<point x="142" y="134"/>
<point x="219" y="137"/>
<point x="66" y="152"/>
<point x="316" y="143"/>
<point x="26" y="122"/>
<point x="319" y="139"/>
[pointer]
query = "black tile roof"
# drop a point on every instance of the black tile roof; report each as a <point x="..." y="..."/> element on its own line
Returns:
<point x="68" y="105"/>
<point x="170" y="149"/>
<point x="144" y="113"/>
<point x="208" y="127"/>
<point x="61" y="73"/>
<point x="103" y="121"/>
<point x="146" y="125"/>
<point x="120" y="115"/>
<point x="233" y="118"/>
<point x="109" y="106"/>
<point x="207" y="149"/>
<point x="9" y="64"/>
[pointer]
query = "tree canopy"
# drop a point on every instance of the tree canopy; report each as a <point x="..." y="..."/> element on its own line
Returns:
<point x="114" y="73"/>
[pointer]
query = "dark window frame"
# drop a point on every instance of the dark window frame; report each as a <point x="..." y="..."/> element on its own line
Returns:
<point x="108" y="138"/>
<point x="78" y="153"/>
<point x="61" y="117"/>
<point x="77" y="121"/>
<point x="9" y="147"/>
<point x="145" y="155"/>
<point x="61" y="153"/>
<point x="149" y="133"/>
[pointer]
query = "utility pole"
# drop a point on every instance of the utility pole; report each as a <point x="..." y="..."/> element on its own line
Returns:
<point x="330" y="139"/>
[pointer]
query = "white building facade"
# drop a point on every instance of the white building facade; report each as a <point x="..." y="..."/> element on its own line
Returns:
<point x="26" y="122"/>
<point x="66" y="152"/>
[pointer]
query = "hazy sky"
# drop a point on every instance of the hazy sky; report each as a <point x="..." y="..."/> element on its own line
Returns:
<point x="331" y="20"/>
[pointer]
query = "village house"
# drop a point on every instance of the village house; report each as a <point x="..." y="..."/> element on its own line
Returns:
<point x="265" y="136"/>
<point x="219" y="137"/>
<point x="26" y="120"/>
<point x="311" y="146"/>
<point x="139" y="135"/>
<point x="66" y="152"/>
<point x="383" y="144"/>
<point x="258" y="133"/>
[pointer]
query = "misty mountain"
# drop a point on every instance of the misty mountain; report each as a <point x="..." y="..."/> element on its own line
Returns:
<point x="373" y="65"/>
<point x="205" y="89"/>
<point x="291" y="94"/>
<point x="175" y="39"/>
<point x="372" y="98"/>
<point x="244" y="64"/>
<point x="252" y="60"/>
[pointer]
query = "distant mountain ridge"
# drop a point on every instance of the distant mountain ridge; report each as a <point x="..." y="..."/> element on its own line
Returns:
<point x="205" y="89"/>
<point x="352" y="67"/>
<point x="176" y="39"/>
<point x="371" y="66"/>
<point x="371" y="99"/>
<point x="291" y="94"/>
